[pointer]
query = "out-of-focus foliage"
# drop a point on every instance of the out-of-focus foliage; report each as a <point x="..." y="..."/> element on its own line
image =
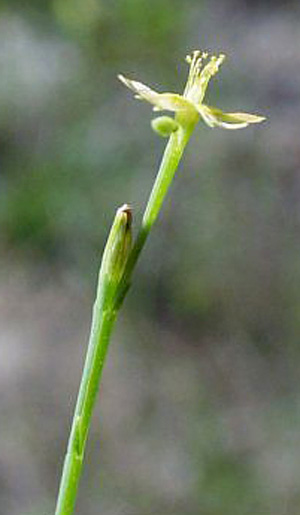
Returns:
<point x="200" y="400"/>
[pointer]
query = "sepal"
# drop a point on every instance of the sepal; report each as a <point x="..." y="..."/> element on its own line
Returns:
<point x="215" y="117"/>
<point x="160" y="101"/>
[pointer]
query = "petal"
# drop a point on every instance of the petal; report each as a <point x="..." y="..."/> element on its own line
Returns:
<point x="161" y="101"/>
<point x="217" y="118"/>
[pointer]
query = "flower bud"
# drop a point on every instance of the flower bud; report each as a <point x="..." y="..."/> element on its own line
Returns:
<point x="164" y="125"/>
<point x="118" y="246"/>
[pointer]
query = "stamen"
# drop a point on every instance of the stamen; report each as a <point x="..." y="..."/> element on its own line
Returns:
<point x="198" y="78"/>
<point x="209" y="71"/>
<point x="195" y="62"/>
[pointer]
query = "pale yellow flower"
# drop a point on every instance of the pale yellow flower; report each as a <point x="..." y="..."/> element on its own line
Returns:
<point x="191" y="103"/>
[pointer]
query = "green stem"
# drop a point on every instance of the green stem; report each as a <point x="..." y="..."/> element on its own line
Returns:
<point x="102" y="325"/>
<point x="104" y="315"/>
<point x="165" y="175"/>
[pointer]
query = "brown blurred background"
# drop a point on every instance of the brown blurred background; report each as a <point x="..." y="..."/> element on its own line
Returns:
<point x="199" y="410"/>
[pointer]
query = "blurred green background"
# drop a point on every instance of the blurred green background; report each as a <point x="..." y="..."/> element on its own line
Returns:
<point x="200" y="400"/>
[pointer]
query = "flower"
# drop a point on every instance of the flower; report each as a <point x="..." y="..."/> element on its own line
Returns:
<point x="190" y="104"/>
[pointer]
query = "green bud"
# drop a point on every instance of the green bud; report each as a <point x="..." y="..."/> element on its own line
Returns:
<point x="118" y="246"/>
<point x="164" y="125"/>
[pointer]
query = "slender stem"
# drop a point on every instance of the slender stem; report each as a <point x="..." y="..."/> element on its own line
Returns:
<point x="104" y="315"/>
<point x="102" y="325"/>
<point x="165" y="175"/>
